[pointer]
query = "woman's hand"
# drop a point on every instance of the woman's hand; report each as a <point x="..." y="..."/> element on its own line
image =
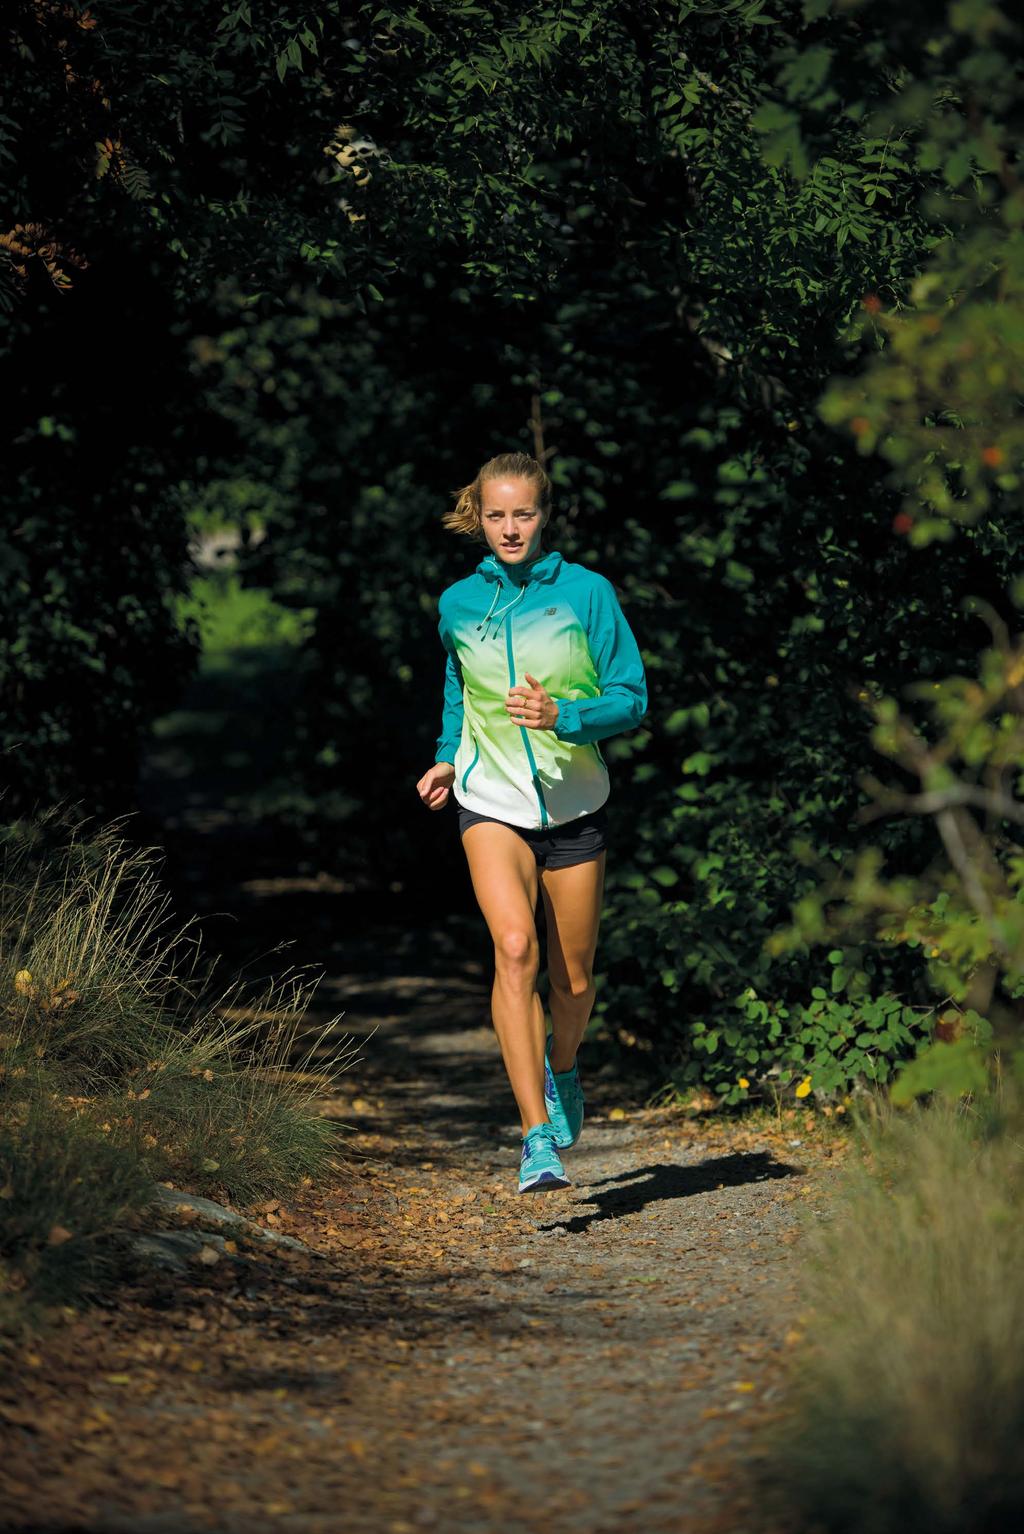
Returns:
<point x="532" y="706"/>
<point x="434" y="785"/>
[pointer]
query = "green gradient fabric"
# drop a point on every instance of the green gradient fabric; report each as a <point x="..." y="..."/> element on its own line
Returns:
<point x="562" y="623"/>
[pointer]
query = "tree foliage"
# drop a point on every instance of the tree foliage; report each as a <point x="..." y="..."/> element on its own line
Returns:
<point x="661" y="244"/>
<point x="939" y="398"/>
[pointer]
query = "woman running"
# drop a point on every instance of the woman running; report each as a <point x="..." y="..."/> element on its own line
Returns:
<point x="541" y="665"/>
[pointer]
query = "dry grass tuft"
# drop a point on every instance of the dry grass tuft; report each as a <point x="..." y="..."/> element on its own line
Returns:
<point x="905" y="1402"/>
<point x="119" y="1068"/>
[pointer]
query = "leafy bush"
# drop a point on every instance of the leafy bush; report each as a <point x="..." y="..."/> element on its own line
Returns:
<point x="828" y="1043"/>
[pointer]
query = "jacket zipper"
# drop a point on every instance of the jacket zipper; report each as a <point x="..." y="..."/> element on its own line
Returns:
<point x="476" y="758"/>
<point x="544" y="817"/>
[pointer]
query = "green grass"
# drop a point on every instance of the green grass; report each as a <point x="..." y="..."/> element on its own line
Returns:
<point x="232" y="617"/>
<point x="64" y="1188"/>
<point x="119" y="1065"/>
<point x="904" y="1405"/>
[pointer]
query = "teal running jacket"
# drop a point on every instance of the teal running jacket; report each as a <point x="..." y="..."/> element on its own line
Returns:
<point x="562" y="623"/>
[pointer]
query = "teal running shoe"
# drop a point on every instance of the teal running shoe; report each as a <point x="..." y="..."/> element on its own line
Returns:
<point x="563" y="1099"/>
<point x="540" y="1169"/>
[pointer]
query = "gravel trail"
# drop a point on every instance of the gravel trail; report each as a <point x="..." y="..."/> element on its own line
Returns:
<point x="452" y="1356"/>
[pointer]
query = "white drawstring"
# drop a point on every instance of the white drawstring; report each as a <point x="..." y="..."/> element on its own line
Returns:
<point x="502" y="610"/>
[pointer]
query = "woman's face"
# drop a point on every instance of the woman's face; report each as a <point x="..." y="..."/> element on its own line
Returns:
<point x="511" y="520"/>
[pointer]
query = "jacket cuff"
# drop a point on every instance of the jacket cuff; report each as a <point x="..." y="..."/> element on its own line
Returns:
<point x="568" y="721"/>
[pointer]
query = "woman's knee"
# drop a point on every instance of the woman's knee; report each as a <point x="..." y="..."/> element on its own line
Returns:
<point x="577" y="983"/>
<point x="516" y="950"/>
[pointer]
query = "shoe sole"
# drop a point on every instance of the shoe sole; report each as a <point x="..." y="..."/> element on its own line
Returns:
<point x="545" y="1183"/>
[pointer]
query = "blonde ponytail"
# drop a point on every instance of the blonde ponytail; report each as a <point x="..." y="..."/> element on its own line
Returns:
<point x="464" y="517"/>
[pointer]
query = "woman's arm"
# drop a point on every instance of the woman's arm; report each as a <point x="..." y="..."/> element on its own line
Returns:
<point x="451" y="712"/>
<point x="620" y="671"/>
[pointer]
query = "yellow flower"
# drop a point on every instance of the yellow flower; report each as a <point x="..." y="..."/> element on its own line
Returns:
<point x="804" y="1087"/>
<point x="744" y="1082"/>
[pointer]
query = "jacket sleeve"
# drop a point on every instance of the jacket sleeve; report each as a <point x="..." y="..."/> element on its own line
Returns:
<point x="452" y="709"/>
<point x="620" y="670"/>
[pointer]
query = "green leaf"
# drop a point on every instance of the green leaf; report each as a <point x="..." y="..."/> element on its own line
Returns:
<point x="949" y="1069"/>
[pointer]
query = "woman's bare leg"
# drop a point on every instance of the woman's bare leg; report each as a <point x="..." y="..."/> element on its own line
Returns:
<point x="504" y="874"/>
<point x="572" y="905"/>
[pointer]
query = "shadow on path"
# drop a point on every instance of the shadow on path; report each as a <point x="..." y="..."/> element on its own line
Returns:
<point x="628" y="1192"/>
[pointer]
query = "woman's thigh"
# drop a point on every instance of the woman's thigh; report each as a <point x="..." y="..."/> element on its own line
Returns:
<point x="572" y="907"/>
<point x="503" y="869"/>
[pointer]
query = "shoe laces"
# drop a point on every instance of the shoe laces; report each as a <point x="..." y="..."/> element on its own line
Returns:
<point x="540" y="1134"/>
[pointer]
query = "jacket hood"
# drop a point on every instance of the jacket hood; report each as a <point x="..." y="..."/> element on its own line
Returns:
<point x="545" y="568"/>
<point x="512" y="578"/>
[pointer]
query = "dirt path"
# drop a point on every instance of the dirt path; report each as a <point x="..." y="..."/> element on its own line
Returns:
<point x="454" y="1357"/>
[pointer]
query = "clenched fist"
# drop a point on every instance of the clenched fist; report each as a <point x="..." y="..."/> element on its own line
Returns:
<point x="434" y="785"/>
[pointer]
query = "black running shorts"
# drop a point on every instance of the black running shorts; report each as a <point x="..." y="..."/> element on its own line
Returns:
<point x="574" y="841"/>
